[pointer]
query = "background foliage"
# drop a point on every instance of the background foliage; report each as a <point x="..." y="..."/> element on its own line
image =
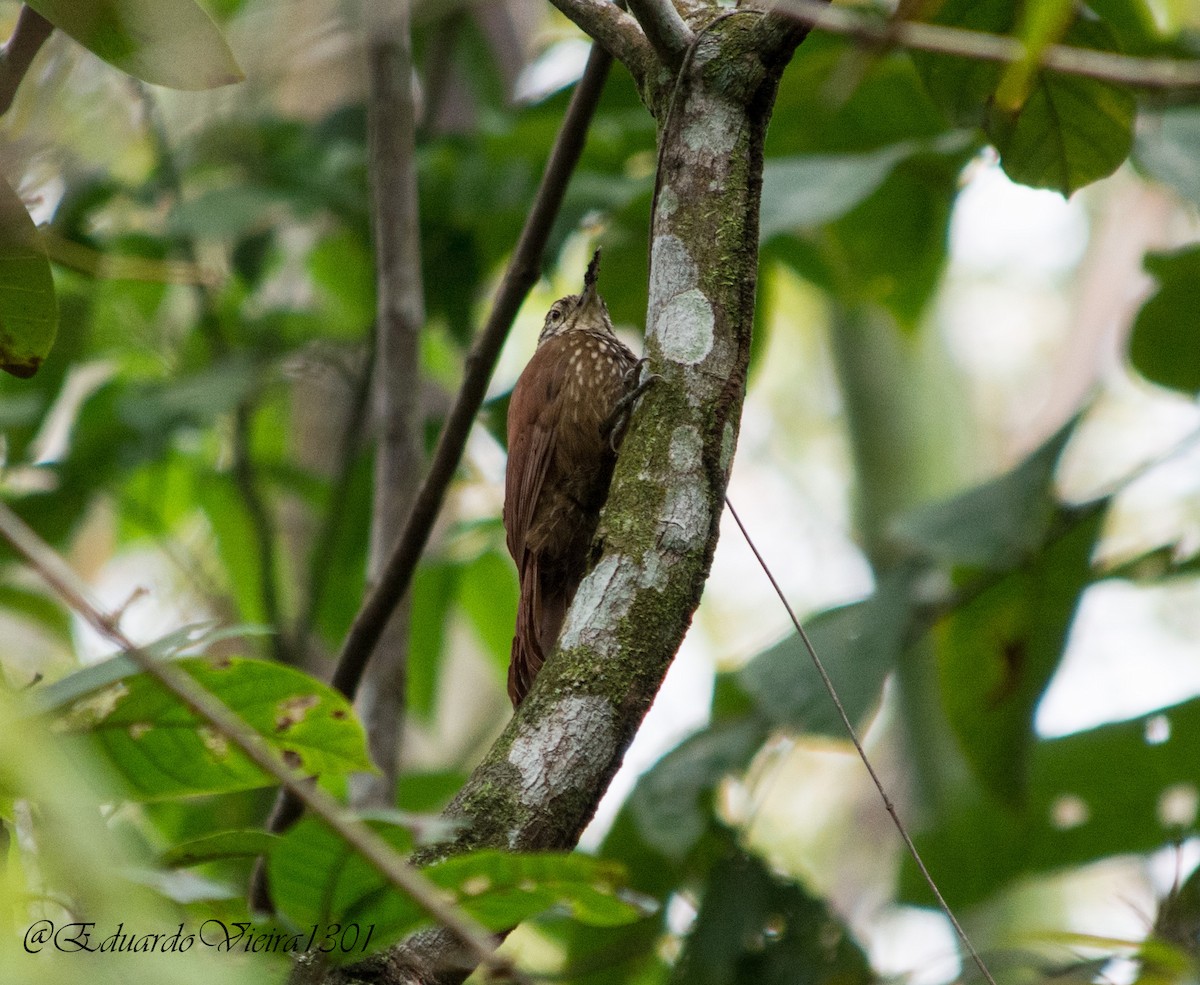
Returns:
<point x="198" y="431"/>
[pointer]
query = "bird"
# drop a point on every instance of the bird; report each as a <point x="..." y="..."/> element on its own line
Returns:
<point x="566" y="420"/>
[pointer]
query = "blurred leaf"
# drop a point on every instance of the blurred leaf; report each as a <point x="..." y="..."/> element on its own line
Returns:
<point x="1101" y="792"/>
<point x="997" y="653"/>
<point x="38" y="607"/>
<point x="1168" y="146"/>
<point x="168" y="42"/>
<point x="342" y="267"/>
<point x="219" y="847"/>
<point x="672" y="802"/>
<point x="962" y="87"/>
<point x="225" y="213"/>
<point x="434" y="591"/>
<point x="993" y="525"/>
<point x="28" y="311"/>
<point x="162" y="749"/>
<point x="315" y="878"/>
<point x="488" y="593"/>
<point x="428" y="793"/>
<point x="754" y="928"/>
<point x="1042" y="24"/>
<point x="809" y="191"/>
<point x="858" y="645"/>
<point x="193" y="640"/>
<point x="1165" y="344"/>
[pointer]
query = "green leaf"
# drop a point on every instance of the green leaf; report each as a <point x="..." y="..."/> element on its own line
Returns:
<point x="1165" y="344"/>
<point x="194" y="639"/>
<point x="809" y="190"/>
<point x="434" y="591"/>
<point x="858" y="645"/>
<point x="162" y="749"/>
<point x="1168" y="146"/>
<point x="171" y="43"/>
<point x="28" y="310"/>
<point x="316" y="878"/>
<point x="220" y="847"/>
<point x="38" y="607"/>
<point x="814" y="189"/>
<point x="1071" y="130"/>
<point x="488" y="594"/>
<point x="754" y="928"/>
<point x="672" y="802"/>
<point x="997" y="653"/>
<point x="993" y="525"/>
<point x="1068" y="132"/>
<point x="1094" y="794"/>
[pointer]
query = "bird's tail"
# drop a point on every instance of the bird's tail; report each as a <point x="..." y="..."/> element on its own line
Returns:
<point x="540" y="614"/>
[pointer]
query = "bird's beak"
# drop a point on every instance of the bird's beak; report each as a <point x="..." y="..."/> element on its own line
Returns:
<point x="590" y="301"/>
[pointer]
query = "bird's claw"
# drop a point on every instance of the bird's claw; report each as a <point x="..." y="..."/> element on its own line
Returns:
<point x="615" y="421"/>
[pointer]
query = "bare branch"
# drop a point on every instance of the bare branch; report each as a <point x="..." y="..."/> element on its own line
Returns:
<point x="1147" y="73"/>
<point x="18" y="52"/>
<point x="615" y="30"/>
<point x="400" y="315"/>
<point x="665" y="29"/>
<point x="377" y="852"/>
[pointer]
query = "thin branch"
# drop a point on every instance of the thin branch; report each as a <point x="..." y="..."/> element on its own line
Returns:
<point x="862" y="754"/>
<point x="1147" y="73"/>
<point x="665" y="29"/>
<point x="400" y="313"/>
<point x="615" y="30"/>
<point x="377" y="852"/>
<point x="523" y="271"/>
<point x="18" y="53"/>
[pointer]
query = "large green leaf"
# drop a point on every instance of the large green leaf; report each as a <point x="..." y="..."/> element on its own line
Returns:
<point x="997" y="652"/>
<point x="858" y="645"/>
<point x="163" y="749"/>
<point x="28" y="311"/>
<point x="168" y="42"/>
<point x="317" y="878"/>
<point x="1102" y="792"/>
<point x="993" y="525"/>
<point x="1165" y="344"/>
<point x="1067" y="131"/>
<point x="1071" y="130"/>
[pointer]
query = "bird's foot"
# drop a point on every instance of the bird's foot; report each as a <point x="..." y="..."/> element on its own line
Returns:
<point x="614" y="425"/>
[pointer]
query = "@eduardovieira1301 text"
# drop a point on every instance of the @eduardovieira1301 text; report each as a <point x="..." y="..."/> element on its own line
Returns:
<point x="243" y="936"/>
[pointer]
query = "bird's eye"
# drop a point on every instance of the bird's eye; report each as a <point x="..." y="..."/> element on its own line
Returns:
<point x="555" y="315"/>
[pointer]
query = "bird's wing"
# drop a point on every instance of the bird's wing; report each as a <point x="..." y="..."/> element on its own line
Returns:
<point x="531" y="437"/>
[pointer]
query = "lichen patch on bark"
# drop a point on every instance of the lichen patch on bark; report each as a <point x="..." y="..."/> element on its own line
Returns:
<point x="601" y="602"/>
<point x="560" y="752"/>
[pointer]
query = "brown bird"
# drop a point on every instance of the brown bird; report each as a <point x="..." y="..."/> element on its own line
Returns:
<point x="566" y="419"/>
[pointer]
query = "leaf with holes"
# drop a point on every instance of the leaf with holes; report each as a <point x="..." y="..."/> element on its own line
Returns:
<point x="316" y="878"/>
<point x="163" y="749"/>
<point x="168" y="42"/>
<point x="1124" y="788"/>
<point x="28" y="310"/>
